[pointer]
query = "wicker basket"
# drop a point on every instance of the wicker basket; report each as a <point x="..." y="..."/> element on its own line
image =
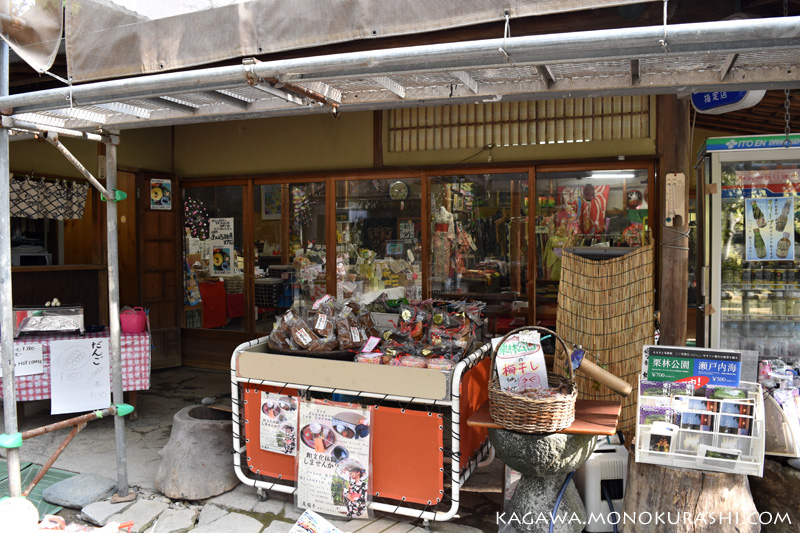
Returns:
<point x="528" y="415"/>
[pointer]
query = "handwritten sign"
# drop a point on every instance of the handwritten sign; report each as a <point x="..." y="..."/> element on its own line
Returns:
<point x="27" y="360"/>
<point x="278" y="423"/>
<point x="221" y="229"/>
<point x="333" y="459"/>
<point x="79" y="375"/>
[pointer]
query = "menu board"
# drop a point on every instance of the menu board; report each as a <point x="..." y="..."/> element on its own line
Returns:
<point x="333" y="460"/>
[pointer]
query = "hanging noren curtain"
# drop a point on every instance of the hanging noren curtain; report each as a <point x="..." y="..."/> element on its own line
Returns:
<point x="38" y="198"/>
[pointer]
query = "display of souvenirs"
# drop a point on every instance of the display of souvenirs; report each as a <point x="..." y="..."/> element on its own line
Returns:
<point x="429" y="330"/>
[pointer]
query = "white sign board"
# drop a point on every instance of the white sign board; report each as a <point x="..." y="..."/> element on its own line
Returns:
<point x="79" y="375"/>
<point x="221" y="229"/>
<point x="27" y="360"/>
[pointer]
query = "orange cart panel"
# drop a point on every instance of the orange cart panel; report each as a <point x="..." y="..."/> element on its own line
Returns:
<point x="406" y="450"/>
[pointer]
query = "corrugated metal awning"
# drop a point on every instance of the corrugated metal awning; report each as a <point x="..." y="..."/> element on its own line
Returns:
<point x="713" y="56"/>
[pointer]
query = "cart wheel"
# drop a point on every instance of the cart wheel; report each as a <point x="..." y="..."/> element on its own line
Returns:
<point x="426" y="524"/>
<point x="263" y="495"/>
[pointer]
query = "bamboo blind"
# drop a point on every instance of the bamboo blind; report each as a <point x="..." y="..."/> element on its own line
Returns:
<point x="607" y="307"/>
<point x="519" y="123"/>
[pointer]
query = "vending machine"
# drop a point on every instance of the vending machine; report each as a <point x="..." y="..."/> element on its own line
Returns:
<point x="752" y="278"/>
<point x="749" y="265"/>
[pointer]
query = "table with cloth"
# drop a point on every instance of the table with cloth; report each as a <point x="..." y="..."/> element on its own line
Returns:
<point x="135" y="352"/>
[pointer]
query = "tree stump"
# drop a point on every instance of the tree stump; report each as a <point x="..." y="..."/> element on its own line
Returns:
<point x="660" y="498"/>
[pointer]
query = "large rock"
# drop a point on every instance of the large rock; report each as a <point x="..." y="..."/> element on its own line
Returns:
<point x="197" y="462"/>
<point x="79" y="491"/>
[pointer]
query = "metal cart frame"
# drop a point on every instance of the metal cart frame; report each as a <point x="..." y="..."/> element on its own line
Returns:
<point x="460" y="468"/>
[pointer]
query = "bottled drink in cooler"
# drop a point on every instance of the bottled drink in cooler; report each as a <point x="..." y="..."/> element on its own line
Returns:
<point x="784" y="245"/>
<point x="761" y="248"/>
<point x="780" y="224"/>
<point x="758" y="215"/>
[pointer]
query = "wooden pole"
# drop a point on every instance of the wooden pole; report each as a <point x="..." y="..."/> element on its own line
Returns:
<point x="672" y="143"/>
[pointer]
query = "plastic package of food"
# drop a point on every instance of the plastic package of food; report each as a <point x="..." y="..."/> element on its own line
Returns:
<point x="440" y="363"/>
<point x="413" y="361"/>
<point x="375" y="358"/>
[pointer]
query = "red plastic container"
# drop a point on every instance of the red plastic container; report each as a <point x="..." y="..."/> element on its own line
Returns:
<point x="133" y="320"/>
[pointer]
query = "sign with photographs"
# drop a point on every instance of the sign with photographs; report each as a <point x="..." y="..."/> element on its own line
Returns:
<point x="333" y="459"/>
<point x="278" y="423"/>
<point x="697" y="365"/>
<point x="769" y="229"/>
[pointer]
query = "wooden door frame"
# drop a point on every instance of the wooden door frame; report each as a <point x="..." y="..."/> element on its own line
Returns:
<point x="142" y="178"/>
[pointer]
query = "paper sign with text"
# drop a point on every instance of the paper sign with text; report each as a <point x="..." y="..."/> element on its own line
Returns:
<point x="79" y="375"/>
<point x="27" y="360"/>
<point x="333" y="459"/>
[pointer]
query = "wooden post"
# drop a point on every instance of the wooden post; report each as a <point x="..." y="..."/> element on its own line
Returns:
<point x="681" y="500"/>
<point x="672" y="143"/>
<point x="515" y="231"/>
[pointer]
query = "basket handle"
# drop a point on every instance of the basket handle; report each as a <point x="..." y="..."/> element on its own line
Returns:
<point x="567" y="350"/>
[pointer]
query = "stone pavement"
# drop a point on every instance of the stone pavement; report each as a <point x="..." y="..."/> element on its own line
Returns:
<point x="93" y="451"/>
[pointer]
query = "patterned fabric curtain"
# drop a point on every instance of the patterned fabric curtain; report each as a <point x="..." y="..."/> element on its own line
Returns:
<point x="24" y="198"/>
<point x="59" y="200"/>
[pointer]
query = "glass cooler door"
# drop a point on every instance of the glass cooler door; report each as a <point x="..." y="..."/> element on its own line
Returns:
<point x="754" y="259"/>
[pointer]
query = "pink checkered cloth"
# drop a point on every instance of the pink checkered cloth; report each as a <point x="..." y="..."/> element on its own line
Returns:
<point x="135" y="348"/>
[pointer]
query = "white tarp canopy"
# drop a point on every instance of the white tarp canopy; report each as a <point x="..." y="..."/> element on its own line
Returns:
<point x="33" y="30"/>
<point x="114" y="38"/>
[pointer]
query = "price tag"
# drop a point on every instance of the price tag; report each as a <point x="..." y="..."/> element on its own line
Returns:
<point x="305" y="338"/>
<point x="288" y="316"/>
<point x="372" y="342"/>
<point x="355" y="335"/>
<point x="529" y="337"/>
<point x="325" y="299"/>
<point x="322" y="321"/>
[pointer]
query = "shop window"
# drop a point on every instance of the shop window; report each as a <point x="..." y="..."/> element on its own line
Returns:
<point x="595" y="213"/>
<point x="479" y="243"/>
<point x="379" y="239"/>
<point x="214" y="261"/>
<point x="307" y="246"/>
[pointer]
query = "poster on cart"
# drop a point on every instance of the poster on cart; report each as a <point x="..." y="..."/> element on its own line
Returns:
<point x="333" y="460"/>
<point x="27" y="360"/>
<point x="769" y="229"/>
<point x="79" y="375"/>
<point x="278" y="423"/>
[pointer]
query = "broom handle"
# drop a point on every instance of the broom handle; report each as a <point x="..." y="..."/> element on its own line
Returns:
<point x="623" y="388"/>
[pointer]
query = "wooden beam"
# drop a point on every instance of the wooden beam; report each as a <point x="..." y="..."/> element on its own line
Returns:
<point x="672" y="141"/>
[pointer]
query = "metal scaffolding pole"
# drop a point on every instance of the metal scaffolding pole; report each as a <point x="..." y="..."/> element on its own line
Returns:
<point x="6" y="304"/>
<point x="696" y="39"/>
<point x="113" y="319"/>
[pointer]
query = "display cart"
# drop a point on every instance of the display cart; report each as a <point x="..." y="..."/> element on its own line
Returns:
<point x="422" y="453"/>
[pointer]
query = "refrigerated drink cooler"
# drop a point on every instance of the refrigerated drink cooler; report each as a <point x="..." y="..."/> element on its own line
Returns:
<point x="748" y="257"/>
